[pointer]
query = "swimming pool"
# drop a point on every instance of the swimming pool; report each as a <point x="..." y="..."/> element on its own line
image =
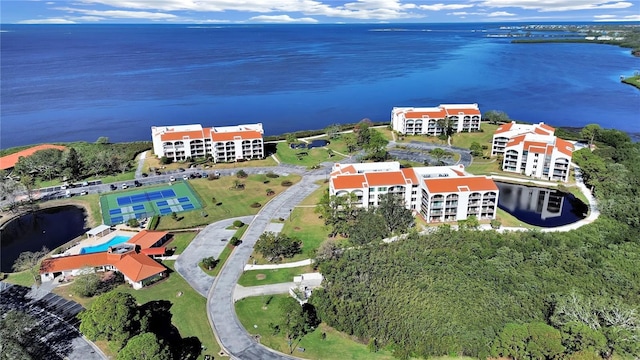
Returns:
<point x="119" y="239"/>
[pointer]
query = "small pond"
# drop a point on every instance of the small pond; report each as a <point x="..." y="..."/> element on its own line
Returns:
<point x="311" y="145"/>
<point x="49" y="227"/>
<point x="540" y="206"/>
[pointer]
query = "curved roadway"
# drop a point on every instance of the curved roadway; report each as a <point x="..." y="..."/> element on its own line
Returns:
<point x="231" y="335"/>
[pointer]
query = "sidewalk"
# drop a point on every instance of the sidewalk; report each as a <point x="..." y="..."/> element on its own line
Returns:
<point x="278" y="266"/>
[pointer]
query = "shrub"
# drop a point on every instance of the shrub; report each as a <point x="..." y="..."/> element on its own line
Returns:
<point x="213" y="177"/>
<point x="241" y="174"/>
<point x="234" y="241"/>
<point x="286" y="183"/>
<point x="165" y="160"/>
<point x="256" y="205"/>
<point x="238" y="223"/>
<point x="272" y="175"/>
<point x="495" y="224"/>
<point x="133" y="222"/>
<point x="209" y="262"/>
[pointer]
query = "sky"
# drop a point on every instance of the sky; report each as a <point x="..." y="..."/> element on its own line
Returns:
<point x="312" y="11"/>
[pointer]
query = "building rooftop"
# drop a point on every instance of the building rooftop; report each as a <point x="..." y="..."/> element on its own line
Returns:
<point x="9" y="161"/>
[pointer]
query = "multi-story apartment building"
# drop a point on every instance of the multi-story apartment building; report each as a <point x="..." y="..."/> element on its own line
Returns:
<point x="438" y="193"/>
<point x="222" y="143"/>
<point x="507" y="131"/>
<point x="533" y="150"/>
<point x="424" y="121"/>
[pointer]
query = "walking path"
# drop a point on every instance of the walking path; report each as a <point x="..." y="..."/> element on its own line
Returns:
<point x="231" y="335"/>
<point x="143" y="155"/>
<point x="278" y="266"/>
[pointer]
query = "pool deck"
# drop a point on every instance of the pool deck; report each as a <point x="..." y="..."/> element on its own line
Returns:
<point x="93" y="241"/>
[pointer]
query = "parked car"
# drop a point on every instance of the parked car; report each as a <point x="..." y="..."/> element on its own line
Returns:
<point x="124" y="186"/>
<point x="84" y="192"/>
<point x="180" y="169"/>
<point x="172" y="178"/>
<point x="185" y="177"/>
<point x="137" y="183"/>
<point x="85" y="183"/>
<point x="113" y="187"/>
<point x="145" y="174"/>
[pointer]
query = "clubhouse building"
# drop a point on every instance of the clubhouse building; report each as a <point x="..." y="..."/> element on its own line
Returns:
<point x="424" y="120"/>
<point x="533" y="150"/>
<point x="222" y="143"/>
<point x="438" y="193"/>
<point x="133" y="258"/>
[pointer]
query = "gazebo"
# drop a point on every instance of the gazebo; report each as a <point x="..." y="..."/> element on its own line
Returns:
<point x="100" y="230"/>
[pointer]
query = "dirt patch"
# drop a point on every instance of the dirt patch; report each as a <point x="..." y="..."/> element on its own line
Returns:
<point x="297" y="228"/>
<point x="261" y="276"/>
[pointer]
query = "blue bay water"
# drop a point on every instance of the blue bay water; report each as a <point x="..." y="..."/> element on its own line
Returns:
<point x="80" y="82"/>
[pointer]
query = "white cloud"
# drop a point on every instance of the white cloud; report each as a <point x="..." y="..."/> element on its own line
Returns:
<point x="47" y="21"/>
<point x="282" y="19"/>
<point x="617" y="18"/>
<point x="557" y="5"/>
<point x="438" y="7"/>
<point x="358" y="9"/>
<point x="121" y="14"/>
<point x="500" y="13"/>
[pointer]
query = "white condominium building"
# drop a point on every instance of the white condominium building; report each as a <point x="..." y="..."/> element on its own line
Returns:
<point x="438" y="193"/>
<point x="424" y="120"/>
<point x="507" y="131"/>
<point x="222" y="143"/>
<point x="533" y="150"/>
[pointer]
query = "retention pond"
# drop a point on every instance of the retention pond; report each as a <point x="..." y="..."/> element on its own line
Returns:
<point x="540" y="206"/>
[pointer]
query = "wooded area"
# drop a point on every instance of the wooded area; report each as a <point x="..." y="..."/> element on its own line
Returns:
<point x="521" y="294"/>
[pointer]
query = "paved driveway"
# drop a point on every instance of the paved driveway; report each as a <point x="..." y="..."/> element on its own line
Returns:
<point x="208" y="242"/>
<point x="230" y="333"/>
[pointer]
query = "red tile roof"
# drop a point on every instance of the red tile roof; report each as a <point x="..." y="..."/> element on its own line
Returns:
<point x="564" y="147"/>
<point x="504" y="128"/>
<point x="9" y="161"/>
<point x="138" y="267"/>
<point x="180" y="135"/>
<point x="134" y="266"/>
<point x="74" y="262"/>
<point x="346" y="170"/>
<point x="551" y="129"/>
<point x="145" y="238"/>
<point x="231" y="135"/>
<point x="385" y="178"/>
<point x="464" y="111"/>
<point x="536" y="147"/>
<point x="161" y="250"/>
<point x="348" y="182"/>
<point x="434" y="114"/>
<point x="410" y="175"/>
<point x="450" y="185"/>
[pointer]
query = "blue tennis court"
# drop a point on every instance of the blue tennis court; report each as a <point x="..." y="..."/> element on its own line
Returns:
<point x="162" y="200"/>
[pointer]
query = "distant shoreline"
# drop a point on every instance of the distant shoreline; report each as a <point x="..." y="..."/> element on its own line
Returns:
<point x="634" y="51"/>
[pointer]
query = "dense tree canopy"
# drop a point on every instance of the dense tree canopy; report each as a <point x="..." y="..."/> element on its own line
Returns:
<point x="520" y="294"/>
<point x="145" y="346"/>
<point x="277" y="246"/>
<point x="112" y="316"/>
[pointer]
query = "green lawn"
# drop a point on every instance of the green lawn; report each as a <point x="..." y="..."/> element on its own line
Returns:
<point x="273" y="276"/>
<point x="228" y="201"/>
<point x="484" y="137"/>
<point x="181" y="240"/>
<point x="23" y="278"/>
<point x="256" y="317"/>
<point x="484" y="167"/>
<point x="313" y="156"/>
<point x="508" y="220"/>
<point x="188" y="310"/>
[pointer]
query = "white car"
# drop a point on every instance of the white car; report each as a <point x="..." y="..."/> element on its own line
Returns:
<point x="124" y="186"/>
<point x="84" y="192"/>
<point x="172" y="178"/>
<point x="185" y="177"/>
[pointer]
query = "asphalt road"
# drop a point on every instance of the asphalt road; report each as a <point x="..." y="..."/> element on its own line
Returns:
<point x="231" y="335"/>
